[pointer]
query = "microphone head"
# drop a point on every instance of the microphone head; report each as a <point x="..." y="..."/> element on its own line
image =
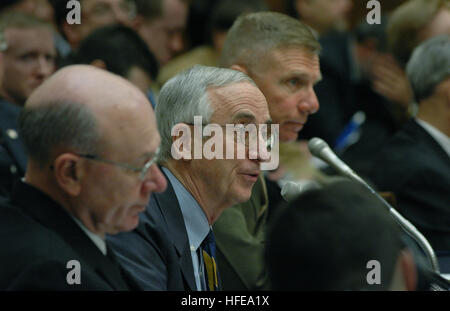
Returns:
<point x="292" y="189"/>
<point x="316" y="145"/>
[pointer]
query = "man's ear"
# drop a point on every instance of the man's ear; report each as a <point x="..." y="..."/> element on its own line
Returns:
<point x="240" y="68"/>
<point x="99" y="64"/>
<point x="408" y="267"/>
<point x="68" y="171"/>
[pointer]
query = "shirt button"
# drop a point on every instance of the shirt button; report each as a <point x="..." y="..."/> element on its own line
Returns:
<point x="192" y="248"/>
<point x="13" y="169"/>
<point x="12" y="133"/>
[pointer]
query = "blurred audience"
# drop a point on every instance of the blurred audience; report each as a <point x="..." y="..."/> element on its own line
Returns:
<point x="323" y="16"/>
<point x="121" y="51"/>
<point x="222" y="17"/>
<point x="415" y="164"/>
<point x="281" y="55"/>
<point x="80" y="128"/>
<point x="28" y="59"/>
<point x="41" y="9"/>
<point x="169" y="249"/>
<point x="415" y="21"/>
<point x="161" y="23"/>
<point x="327" y="238"/>
<point x="94" y="14"/>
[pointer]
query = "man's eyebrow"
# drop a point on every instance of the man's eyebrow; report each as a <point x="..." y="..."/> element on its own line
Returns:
<point x="243" y="116"/>
<point x="303" y="76"/>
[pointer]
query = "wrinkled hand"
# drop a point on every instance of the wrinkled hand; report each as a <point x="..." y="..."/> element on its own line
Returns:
<point x="389" y="80"/>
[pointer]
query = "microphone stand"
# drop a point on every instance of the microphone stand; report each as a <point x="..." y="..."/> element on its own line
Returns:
<point x="318" y="145"/>
<point x="410" y="229"/>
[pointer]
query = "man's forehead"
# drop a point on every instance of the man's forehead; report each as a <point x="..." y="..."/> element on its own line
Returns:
<point x="29" y="38"/>
<point x="239" y="101"/>
<point x="294" y="60"/>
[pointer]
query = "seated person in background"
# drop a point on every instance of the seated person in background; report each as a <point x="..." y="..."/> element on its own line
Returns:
<point x="222" y="17"/>
<point x="415" y="21"/>
<point x="415" y="164"/>
<point x="327" y="239"/>
<point x="161" y="24"/>
<point x="323" y="16"/>
<point x="409" y="24"/>
<point x="173" y="248"/>
<point x="94" y="14"/>
<point x="91" y="140"/>
<point x="121" y="51"/>
<point x="28" y="58"/>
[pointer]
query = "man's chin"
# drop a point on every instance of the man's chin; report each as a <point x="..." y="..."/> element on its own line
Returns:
<point x="288" y="136"/>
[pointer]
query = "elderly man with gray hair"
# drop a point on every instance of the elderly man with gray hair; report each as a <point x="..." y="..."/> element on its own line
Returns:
<point x="281" y="55"/>
<point x="415" y="164"/>
<point x="174" y="246"/>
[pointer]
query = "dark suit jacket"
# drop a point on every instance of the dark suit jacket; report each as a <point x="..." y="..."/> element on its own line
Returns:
<point x="37" y="240"/>
<point x="13" y="159"/>
<point x="157" y="252"/>
<point x="416" y="168"/>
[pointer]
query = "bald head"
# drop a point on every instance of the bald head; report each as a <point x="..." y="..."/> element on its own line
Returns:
<point x="79" y="108"/>
<point x="87" y="85"/>
<point x="91" y="139"/>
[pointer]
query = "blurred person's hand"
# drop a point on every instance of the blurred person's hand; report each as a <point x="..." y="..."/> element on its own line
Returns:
<point x="389" y="80"/>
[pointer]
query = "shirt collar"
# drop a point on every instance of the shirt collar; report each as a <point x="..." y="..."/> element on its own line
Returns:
<point x="442" y="139"/>
<point x="98" y="241"/>
<point x="195" y="220"/>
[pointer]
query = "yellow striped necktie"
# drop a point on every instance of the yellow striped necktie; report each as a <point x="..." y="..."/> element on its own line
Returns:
<point x="209" y="258"/>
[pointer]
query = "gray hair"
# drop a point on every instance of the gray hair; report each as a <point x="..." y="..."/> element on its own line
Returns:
<point x="59" y="124"/>
<point x="254" y="35"/>
<point x="429" y="65"/>
<point x="185" y="96"/>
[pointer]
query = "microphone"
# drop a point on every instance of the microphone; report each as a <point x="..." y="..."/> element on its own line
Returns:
<point x="292" y="189"/>
<point x="320" y="149"/>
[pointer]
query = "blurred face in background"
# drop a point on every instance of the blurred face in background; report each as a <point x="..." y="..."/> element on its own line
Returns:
<point x="27" y="62"/>
<point x="164" y="34"/>
<point x="98" y="13"/>
<point x="39" y="8"/>
<point x="439" y="25"/>
<point x="325" y="15"/>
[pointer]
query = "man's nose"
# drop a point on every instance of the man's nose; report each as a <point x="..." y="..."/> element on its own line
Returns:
<point x="309" y="104"/>
<point x="45" y="67"/>
<point x="176" y="42"/>
<point x="155" y="181"/>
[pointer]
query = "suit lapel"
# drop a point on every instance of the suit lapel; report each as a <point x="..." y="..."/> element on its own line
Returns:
<point x="171" y="211"/>
<point x="51" y="215"/>
<point x="416" y="130"/>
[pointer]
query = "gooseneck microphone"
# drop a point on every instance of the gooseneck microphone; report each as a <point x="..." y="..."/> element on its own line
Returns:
<point x="321" y="150"/>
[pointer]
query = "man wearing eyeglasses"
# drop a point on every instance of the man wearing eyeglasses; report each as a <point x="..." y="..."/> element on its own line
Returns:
<point x="92" y="142"/>
<point x="173" y="247"/>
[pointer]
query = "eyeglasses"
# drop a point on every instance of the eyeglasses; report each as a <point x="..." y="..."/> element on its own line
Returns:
<point x="141" y="170"/>
<point x="244" y="134"/>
